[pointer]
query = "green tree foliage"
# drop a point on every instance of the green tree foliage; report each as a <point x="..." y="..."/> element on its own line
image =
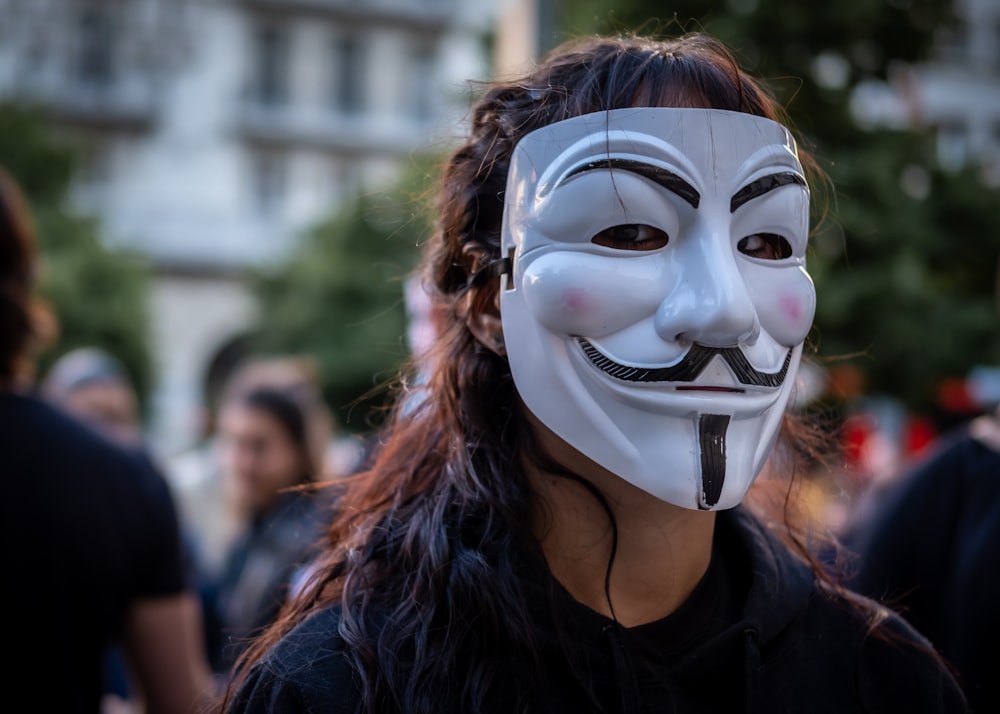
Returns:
<point x="905" y="257"/>
<point x="339" y="297"/>
<point x="98" y="294"/>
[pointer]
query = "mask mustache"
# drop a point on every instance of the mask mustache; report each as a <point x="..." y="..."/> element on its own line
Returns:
<point x="691" y="365"/>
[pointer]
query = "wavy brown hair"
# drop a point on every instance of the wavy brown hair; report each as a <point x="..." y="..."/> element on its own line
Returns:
<point x="430" y="551"/>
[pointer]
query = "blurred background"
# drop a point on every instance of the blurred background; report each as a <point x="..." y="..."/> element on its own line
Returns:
<point x="221" y="180"/>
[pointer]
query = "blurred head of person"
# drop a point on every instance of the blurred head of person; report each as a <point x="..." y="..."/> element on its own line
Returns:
<point x="298" y="377"/>
<point x="264" y="446"/>
<point x="24" y="324"/>
<point x="94" y="386"/>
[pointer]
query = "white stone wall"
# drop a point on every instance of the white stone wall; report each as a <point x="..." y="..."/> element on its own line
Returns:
<point x="177" y="175"/>
<point x="195" y="317"/>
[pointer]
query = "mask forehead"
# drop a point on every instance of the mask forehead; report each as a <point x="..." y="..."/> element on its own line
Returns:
<point x="713" y="151"/>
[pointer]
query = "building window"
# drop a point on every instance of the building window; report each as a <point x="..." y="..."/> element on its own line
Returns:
<point x="952" y="47"/>
<point x="95" y="61"/>
<point x="952" y="146"/>
<point x="95" y="173"/>
<point x="422" y="85"/>
<point x="346" y="175"/>
<point x="349" y="79"/>
<point x="270" y="180"/>
<point x="270" y="74"/>
<point x="95" y="164"/>
<point x="995" y="45"/>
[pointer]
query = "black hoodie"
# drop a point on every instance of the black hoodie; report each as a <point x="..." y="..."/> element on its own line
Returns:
<point x="759" y="634"/>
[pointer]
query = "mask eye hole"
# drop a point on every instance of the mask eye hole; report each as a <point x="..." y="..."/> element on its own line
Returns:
<point x="765" y="246"/>
<point x="631" y="236"/>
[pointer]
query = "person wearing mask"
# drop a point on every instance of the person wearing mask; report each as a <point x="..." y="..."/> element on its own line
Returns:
<point x="92" y="550"/>
<point x="562" y="522"/>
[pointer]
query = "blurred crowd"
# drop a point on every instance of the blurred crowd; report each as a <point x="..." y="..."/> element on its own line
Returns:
<point x="915" y="502"/>
<point x="226" y="529"/>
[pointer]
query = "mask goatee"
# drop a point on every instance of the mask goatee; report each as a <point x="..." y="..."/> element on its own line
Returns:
<point x="712" y="442"/>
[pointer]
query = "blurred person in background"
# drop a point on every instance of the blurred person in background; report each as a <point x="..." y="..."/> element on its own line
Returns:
<point x="92" y="549"/>
<point x="929" y="547"/>
<point x="297" y="375"/>
<point x="268" y="458"/>
<point x="93" y="386"/>
<point x="211" y="517"/>
<point x="558" y="525"/>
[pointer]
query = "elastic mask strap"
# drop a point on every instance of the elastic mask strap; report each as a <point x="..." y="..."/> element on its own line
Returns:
<point x="495" y="269"/>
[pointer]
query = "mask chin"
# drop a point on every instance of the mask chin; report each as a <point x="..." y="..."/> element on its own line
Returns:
<point x="697" y="450"/>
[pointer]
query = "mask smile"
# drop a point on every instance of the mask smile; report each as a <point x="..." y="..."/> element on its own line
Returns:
<point x="732" y="390"/>
<point x="692" y="364"/>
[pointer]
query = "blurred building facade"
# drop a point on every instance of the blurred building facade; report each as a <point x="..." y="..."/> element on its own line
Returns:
<point x="957" y="93"/>
<point x="216" y="131"/>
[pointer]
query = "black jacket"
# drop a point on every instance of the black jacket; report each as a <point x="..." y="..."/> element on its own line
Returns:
<point x="260" y="568"/>
<point x="766" y="638"/>
<point x="931" y="550"/>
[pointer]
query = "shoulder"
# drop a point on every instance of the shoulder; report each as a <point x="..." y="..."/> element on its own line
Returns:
<point x="30" y="428"/>
<point x="28" y="422"/>
<point x="891" y="665"/>
<point x="56" y="459"/>
<point x="307" y="670"/>
<point x="960" y="463"/>
<point x="832" y="643"/>
<point x="898" y="666"/>
<point x="935" y="508"/>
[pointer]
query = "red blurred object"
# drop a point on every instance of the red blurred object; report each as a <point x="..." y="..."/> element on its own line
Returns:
<point x="920" y="433"/>
<point x="855" y="432"/>
<point x="953" y="395"/>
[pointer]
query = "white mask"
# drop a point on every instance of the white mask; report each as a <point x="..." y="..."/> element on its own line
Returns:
<point x="665" y="349"/>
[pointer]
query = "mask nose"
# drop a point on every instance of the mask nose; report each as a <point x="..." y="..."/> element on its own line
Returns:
<point x="710" y="303"/>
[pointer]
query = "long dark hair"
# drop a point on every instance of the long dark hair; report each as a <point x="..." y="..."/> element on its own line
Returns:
<point x="436" y="538"/>
<point x="17" y="274"/>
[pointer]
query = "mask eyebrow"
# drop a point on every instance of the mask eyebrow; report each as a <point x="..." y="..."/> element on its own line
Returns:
<point x="756" y="189"/>
<point x="657" y="174"/>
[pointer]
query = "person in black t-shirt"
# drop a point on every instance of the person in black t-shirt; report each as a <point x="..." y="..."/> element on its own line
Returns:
<point x="91" y="548"/>
<point x="555" y="521"/>
<point x="92" y="385"/>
